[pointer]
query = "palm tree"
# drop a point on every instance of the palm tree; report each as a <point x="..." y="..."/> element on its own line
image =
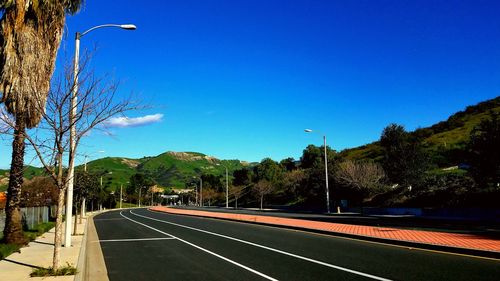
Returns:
<point x="30" y="34"/>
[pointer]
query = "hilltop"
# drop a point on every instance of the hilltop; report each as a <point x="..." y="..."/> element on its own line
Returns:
<point x="446" y="140"/>
<point x="169" y="169"/>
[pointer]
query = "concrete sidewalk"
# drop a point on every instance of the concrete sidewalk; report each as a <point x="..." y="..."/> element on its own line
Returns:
<point x="38" y="253"/>
<point x="453" y="242"/>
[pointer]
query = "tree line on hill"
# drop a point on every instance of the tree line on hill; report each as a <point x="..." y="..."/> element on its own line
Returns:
<point x="406" y="175"/>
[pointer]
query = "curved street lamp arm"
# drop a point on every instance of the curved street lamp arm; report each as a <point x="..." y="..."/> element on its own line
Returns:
<point x="124" y="26"/>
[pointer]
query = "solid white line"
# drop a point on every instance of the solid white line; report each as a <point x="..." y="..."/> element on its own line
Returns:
<point x="271" y="249"/>
<point x="203" y="249"/>
<point x="138" y="239"/>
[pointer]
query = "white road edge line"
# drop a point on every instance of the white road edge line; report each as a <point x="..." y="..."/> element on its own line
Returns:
<point x="271" y="249"/>
<point x="203" y="249"/>
<point x="136" y="239"/>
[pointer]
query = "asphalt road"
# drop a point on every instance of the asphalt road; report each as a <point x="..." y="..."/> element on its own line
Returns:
<point x="143" y="245"/>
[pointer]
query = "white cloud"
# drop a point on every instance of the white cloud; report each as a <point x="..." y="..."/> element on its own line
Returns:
<point x="123" y="122"/>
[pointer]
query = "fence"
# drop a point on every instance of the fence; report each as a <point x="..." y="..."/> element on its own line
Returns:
<point x="31" y="215"/>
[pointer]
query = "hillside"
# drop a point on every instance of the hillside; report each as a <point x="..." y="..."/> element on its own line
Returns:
<point x="446" y="140"/>
<point x="169" y="169"/>
<point x="29" y="172"/>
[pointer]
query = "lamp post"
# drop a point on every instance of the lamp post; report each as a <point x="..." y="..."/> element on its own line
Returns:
<point x="326" y="171"/>
<point x="72" y="137"/>
<point x="140" y="188"/>
<point x="227" y="184"/>
<point x="195" y="194"/>
<point x="201" y="192"/>
<point x="84" y="201"/>
<point x="87" y="156"/>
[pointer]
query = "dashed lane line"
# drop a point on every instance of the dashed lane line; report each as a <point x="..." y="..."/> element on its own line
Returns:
<point x="271" y="249"/>
<point x="202" y="249"/>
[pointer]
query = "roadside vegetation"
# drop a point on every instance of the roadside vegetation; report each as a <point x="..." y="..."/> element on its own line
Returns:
<point x="30" y="235"/>
<point x="61" y="271"/>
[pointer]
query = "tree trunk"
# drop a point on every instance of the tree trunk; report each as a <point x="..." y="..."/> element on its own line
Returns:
<point x="59" y="228"/>
<point x="236" y="203"/>
<point x="76" y="217"/>
<point x="261" y="201"/>
<point x="82" y="209"/>
<point x="13" y="232"/>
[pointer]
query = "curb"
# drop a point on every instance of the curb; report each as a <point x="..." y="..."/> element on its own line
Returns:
<point x="91" y="254"/>
<point x="80" y="265"/>
<point x="409" y="244"/>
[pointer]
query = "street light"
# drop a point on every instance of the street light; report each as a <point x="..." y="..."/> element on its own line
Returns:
<point x="326" y="171"/>
<point x="72" y="135"/>
<point x="84" y="201"/>
<point x="87" y="156"/>
<point x="227" y="185"/>
<point x="201" y="190"/>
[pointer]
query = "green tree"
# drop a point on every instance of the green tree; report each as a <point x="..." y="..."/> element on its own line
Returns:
<point x="242" y="177"/>
<point x="139" y="181"/>
<point x="404" y="159"/>
<point x="85" y="186"/>
<point x="212" y="181"/>
<point x="313" y="162"/>
<point x="288" y="164"/>
<point x="269" y="170"/>
<point x="484" y="149"/>
<point x="311" y="156"/>
<point x="30" y="35"/>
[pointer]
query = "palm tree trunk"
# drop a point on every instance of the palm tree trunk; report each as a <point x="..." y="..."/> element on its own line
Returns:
<point x="13" y="232"/>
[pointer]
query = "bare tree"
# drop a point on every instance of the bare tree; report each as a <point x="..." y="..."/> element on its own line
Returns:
<point x="209" y="194"/>
<point x="50" y="141"/>
<point x="262" y="188"/>
<point x="236" y="192"/>
<point x="363" y="176"/>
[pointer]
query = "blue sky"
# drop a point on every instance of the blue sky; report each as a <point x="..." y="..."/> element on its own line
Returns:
<point x="242" y="79"/>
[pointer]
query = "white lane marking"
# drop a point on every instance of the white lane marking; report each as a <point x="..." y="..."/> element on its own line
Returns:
<point x="138" y="239"/>
<point x="271" y="249"/>
<point x="111" y="219"/>
<point x="203" y="249"/>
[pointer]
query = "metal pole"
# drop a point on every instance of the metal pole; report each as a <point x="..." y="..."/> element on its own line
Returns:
<point x="196" y="194"/>
<point x="121" y="189"/>
<point x="201" y="192"/>
<point x="85" y="166"/>
<point x="140" y="188"/>
<point x="72" y="140"/>
<point x="227" y="190"/>
<point x="326" y="177"/>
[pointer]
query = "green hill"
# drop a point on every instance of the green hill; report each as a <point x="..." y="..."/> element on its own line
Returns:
<point x="29" y="172"/>
<point x="169" y="169"/>
<point x="446" y="140"/>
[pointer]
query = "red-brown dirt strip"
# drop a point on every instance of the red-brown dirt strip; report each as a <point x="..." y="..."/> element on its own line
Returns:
<point x="456" y="240"/>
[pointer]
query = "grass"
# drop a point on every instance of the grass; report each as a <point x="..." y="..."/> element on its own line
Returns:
<point x="127" y="205"/>
<point x="38" y="230"/>
<point x="7" y="249"/>
<point x="30" y="234"/>
<point x="45" y="272"/>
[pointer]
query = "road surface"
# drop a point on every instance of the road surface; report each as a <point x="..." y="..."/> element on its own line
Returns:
<point x="142" y="245"/>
